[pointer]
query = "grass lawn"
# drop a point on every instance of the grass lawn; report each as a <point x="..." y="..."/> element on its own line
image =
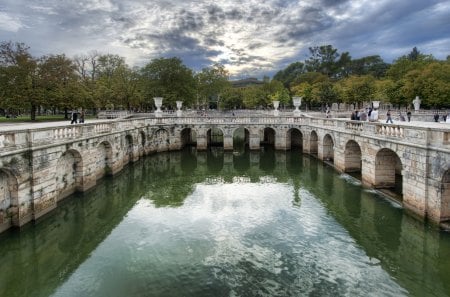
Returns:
<point x="39" y="119"/>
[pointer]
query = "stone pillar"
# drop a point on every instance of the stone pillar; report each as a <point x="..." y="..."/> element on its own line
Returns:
<point x="228" y="142"/>
<point x="254" y="141"/>
<point x="280" y="140"/>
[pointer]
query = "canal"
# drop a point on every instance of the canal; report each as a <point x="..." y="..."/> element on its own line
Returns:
<point x="211" y="223"/>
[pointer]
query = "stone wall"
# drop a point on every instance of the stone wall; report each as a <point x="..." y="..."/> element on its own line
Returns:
<point x="39" y="167"/>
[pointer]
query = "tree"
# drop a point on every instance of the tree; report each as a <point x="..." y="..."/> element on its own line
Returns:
<point x="19" y="78"/>
<point x="290" y="73"/>
<point x="322" y="59"/>
<point x="358" y="89"/>
<point x="212" y="83"/>
<point x="56" y="76"/>
<point x="170" y="79"/>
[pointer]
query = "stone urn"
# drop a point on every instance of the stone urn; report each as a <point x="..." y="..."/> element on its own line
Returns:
<point x="416" y="103"/>
<point x="276" y="104"/>
<point x="297" y="101"/>
<point x="158" y="104"/>
<point x="179" y="105"/>
<point x="376" y="104"/>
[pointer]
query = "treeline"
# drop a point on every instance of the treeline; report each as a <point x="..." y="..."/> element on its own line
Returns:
<point x="328" y="76"/>
<point x="104" y="81"/>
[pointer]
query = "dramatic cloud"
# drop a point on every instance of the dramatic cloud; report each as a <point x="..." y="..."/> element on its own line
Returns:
<point x="253" y="37"/>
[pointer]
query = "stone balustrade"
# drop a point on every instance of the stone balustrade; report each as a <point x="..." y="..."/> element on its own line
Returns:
<point x="19" y="139"/>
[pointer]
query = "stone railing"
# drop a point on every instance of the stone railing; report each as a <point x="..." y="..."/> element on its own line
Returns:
<point x="23" y="139"/>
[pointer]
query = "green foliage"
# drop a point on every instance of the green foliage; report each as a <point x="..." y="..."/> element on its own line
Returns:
<point x="212" y="82"/>
<point x="168" y="78"/>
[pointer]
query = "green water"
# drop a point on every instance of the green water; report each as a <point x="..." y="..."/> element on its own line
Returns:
<point x="226" y="224"/>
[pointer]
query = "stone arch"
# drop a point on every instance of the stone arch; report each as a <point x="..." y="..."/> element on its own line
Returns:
<point x="328" y="148"/>
<point x="388" y="171"/>
<point x="445" y="196"/>
<point x="69" y="173"/>
<point x="241" y="139"/>
<point x="313" y="143"/>
<point x="352" y="157"/>
<point x="9" y="199"/>
<point x="104" y="159"/>
<point x="215" y="137"/>
<point x="129" y="148"/>
<point x="142" y="139"/>
<point x="269" y="135"/>
<point x="161" y="140"/>
<point x="188" y="136"/>
<point x="294" y="139"/>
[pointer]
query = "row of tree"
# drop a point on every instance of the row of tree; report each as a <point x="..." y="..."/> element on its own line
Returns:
<point x="328" y="76"/>
<point x="97" y="81"/>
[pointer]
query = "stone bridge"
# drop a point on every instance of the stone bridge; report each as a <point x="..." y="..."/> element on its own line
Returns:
<point x="41" y="166"/>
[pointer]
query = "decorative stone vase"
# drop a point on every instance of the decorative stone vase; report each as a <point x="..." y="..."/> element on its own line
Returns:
<point x="416" y="103"/>
<point x="276" y="104"/>
<point x="376" y="104"/>
<point x="179" y="105"/>
<point x="297" y="101"/>
<point x="158" y="104"/>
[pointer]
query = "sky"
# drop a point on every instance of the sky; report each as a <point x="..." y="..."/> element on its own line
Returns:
<point x="251" y="38"/>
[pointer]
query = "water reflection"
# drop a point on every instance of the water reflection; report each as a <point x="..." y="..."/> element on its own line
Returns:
<point x="284" y="224"/>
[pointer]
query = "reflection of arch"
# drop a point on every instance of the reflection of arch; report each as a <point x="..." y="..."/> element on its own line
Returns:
<point x="69" y="173"/>
<point x="8" y="197"/>
<point x="188" y="137"/>
<point x="294" y="139"/>
<point x="215" y="137"/>
<point x="328" y="144"/>
<point x="269" y="136"/>
<point x="352" y="157"/>
<point x="215" y="160"/>
<point x="267" y="161"/>
<point x="104" y="159"/>
<point x="445" y="197"/>
<point x="313" y="140"/>
<point x="241" y="139"/>
<point x="388" y="167"/>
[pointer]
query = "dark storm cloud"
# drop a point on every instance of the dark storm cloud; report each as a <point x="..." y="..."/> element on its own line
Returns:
<point x="254" y="36"/>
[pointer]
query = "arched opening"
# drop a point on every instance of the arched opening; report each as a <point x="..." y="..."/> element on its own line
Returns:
<point x="188" y="137"/>
<point x="142" y="138"/>
<point x="388" y="172"/>
<point x="313" y="143"/>
<point x="161" y="140"/>
<point x="352" y="157"/>
<point x="268" y="137"/>
<point x="241" y="140"/>
<point x="69" y="173"/>
<point x="294" y="139"/>
<point x="328" y="151"/>
<point x="445" y="197"/>
<point x="8" y="200"/>
<point x="215" y="137"/>
<point x="128" y="148"/>
<point x="104" y="159"/>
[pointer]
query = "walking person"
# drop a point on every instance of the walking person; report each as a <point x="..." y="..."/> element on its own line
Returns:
<point x="74" y="117"/>
<point x="408" y="115"/>
<point x="436" y="117"/>
<point x="388" y="117"/>
<point x="82" y="116"/>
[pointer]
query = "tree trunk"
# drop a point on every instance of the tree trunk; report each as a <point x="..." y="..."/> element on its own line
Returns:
<point x="33" y="112"/>
<point x="66" y="113"/>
